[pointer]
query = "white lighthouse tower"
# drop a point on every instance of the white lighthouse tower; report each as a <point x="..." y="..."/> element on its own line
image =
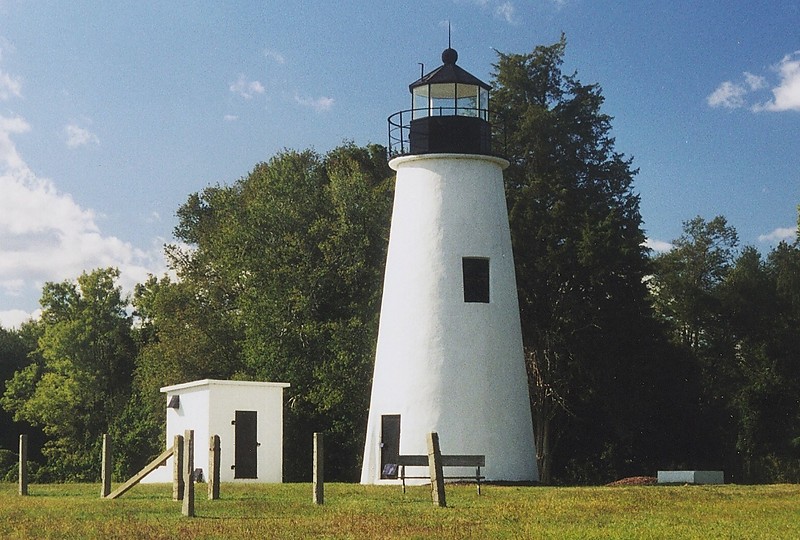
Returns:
<point x="449" y="356"/>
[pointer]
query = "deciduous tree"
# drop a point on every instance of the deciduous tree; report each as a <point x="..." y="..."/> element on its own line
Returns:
<point x="281" y="281"/>
<point x="82" y="379"/>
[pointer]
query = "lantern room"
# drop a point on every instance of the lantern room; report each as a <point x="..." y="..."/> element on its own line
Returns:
<point x="449" y="113"/>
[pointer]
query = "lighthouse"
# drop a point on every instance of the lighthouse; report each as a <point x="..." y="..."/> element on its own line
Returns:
<point x="449" y="355"/>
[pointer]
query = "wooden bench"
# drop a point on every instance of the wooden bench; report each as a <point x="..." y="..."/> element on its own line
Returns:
<point x="447" y="461"/>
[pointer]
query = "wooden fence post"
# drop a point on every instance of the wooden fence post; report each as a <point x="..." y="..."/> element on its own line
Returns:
<point x="23" y="464"/>
<point x="435" y="468"/>
<point x="318" y="472"/>
<point x="213" y="467"/>
<point x="188" y="468"/>
<point x="177" y="468"/>
<point x="107" y="467"/>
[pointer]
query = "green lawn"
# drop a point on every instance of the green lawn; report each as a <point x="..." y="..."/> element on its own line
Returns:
<point x="354" y="511"/>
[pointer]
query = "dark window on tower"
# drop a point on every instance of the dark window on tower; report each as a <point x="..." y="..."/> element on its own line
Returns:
<point x="476" y="279"/>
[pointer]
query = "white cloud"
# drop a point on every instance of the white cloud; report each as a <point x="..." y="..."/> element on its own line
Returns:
<point x="728" y="95"/>
<point x="275" y="56"/>
<point x="45" y="235"/>
<point x="230" y="118"/>
<point x="659" y="246"/>
<point x="506" y="11"/>
<point x="246" y="89"/>
<point x="786" y="96"/>
<point x="9" y="158"/>
<point x="755" y="82"/>
<point x="320" y="104"/>
<point x="13" y="318"/>
<point x="9" y="86"/>
<point x="77" y="136"/>
<point x="781" y="234"/>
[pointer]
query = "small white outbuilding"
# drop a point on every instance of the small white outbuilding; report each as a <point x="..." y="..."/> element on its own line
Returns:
<point x="247" y="416"/>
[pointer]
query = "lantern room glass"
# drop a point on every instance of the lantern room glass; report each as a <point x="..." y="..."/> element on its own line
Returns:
<point x="450" y="99"/>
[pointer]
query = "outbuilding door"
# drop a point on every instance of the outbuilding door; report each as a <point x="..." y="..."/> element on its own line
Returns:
<point x="390" y="444"/>
<point x="245" y="445"/>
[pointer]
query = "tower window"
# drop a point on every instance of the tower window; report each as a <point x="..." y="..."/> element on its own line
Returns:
<point x="476" y="279"/>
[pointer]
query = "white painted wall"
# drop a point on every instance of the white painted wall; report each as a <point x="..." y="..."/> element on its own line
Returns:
<point x="208" y="407"/>
<point x="445" y="365"/>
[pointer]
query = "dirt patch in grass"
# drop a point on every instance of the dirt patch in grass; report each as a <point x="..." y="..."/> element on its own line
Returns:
<point x="635" y="481"/>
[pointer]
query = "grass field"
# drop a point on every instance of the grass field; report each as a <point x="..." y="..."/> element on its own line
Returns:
<point x="354" y="511"/>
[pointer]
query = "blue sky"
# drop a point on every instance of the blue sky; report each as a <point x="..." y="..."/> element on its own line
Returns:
<point x="112" y="113"/>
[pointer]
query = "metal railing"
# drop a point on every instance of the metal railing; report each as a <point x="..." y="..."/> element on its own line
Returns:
<point x="400" y="127"/>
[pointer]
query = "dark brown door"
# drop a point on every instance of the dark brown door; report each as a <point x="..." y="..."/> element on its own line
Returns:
<point x="245" y="445"/>
<point x="390" y="444"/>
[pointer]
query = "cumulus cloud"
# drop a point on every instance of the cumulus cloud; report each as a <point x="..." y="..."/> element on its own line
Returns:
<point x="754" y="82"/>
<point x="45" y="235"/>
<point x="729" y="95"/>
<point x="781" y="234"/>
<point x="786" y="96"/>
<point x="246" y="89"/>
<point x="786" y="93"/>
<point x="320" y="104"/>
<point x="9" y="86"/>
<point x="275" y="56"/>
<point x="659" y="246"/>
<point x="506" y="11"/>
<point x="9" y="158"/>
<point x="13" y="318"/>
<point x="77" y="136"/>
<point x="503" y="10"/>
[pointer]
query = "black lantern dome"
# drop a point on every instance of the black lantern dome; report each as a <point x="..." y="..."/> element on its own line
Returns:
<point x="449" y="113"/>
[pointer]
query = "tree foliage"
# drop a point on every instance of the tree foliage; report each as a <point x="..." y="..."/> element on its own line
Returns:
<point x="281" y="282"/>
<point x="16" y="347"/>
<point x="736" y="316"/>
<point x="79" y="382"/>
<point x="687" y="359"/>
<point x="577" y="238"/>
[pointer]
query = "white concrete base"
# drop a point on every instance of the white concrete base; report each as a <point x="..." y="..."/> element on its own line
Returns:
<point x="691" y="477"/>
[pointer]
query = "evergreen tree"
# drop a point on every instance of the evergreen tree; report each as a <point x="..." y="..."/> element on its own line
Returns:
<point x="580" y="261"/>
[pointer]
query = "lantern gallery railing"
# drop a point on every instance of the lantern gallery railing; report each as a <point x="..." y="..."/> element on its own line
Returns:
<point x="407" y="128"/>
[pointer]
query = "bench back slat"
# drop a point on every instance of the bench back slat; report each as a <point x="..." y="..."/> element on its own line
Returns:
<point x="463" y="461"/>
<point x="413" y="461"/>
<point x="447" y="460"/>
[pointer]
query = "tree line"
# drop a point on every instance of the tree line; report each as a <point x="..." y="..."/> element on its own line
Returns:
<point x="635" y="361"/>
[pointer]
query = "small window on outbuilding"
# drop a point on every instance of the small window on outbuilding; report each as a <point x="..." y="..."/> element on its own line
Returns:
<point x="476" y="279"/>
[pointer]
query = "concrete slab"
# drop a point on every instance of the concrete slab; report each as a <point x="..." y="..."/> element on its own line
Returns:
<point x="691" y="477"/>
